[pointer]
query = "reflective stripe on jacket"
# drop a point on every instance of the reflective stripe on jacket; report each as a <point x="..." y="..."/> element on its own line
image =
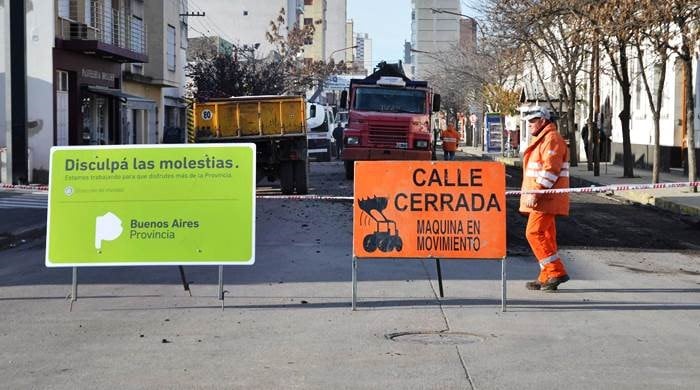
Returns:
<point x="546" y="166"/>
<point x="450" y="138"/>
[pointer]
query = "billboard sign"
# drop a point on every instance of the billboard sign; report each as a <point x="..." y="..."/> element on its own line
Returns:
<point x="429" y="209"/>
<point x="151" y="205"/>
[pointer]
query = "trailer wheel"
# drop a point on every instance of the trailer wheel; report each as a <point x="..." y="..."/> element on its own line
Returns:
<point x="349" y="169"/>
<point x="301" y="180"/>
<point x="287" y="177"/>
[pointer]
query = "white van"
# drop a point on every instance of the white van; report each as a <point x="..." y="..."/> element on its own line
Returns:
<point x="319" y="123"/>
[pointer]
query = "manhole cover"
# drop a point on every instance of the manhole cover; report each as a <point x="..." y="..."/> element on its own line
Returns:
<point x="436" y="338"/>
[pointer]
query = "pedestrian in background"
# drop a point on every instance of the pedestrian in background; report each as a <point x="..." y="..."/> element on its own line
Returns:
<point x="545" y="166"/>
<point x="450" y="139"/>
<point x="584" y="139"/>
<point x="338" y="136"/>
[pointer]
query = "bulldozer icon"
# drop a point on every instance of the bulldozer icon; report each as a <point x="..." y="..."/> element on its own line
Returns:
<point x="386" y="235"/>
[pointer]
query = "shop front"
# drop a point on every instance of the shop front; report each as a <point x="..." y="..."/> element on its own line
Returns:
<point x="88" y="104"/>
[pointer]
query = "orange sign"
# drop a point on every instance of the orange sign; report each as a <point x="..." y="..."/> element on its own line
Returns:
<point x="429" y="209"/>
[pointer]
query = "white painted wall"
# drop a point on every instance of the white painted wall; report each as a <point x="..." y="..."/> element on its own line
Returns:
<point x="227" y="18"/>
<point x="4" y="33"/>
<point x="40" y="42"/>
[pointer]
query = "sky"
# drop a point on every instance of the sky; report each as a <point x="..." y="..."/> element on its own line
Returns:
<point x="388" y="23"/>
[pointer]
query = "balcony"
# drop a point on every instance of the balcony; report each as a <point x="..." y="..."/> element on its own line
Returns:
<point x="89" y="27"/>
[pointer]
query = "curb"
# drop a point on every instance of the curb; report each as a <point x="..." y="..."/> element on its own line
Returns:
<point x="28" y="232"/>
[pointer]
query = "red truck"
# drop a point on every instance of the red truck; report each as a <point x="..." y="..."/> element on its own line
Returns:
<point x="388" y="118"/>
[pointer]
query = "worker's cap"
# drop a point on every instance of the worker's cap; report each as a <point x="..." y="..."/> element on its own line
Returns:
<point x="537" y="112"/>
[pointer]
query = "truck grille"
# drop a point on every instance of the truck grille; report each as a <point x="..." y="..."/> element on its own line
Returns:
<point x="388" y="134"/>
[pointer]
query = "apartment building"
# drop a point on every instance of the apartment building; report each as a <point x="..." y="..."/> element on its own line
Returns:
<point x="349" y="34"/>
<point x="160" y="81"/>
<point x="433" y="33"/>
<point x="244" y="23"/>
<point x="93" y="39"/>
<point x="363" y="53"/>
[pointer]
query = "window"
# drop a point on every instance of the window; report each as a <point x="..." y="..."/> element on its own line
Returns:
<point x="170" y="50"/>
<point x="137" y="68"/>
<point x="62" y="78"/>
<point x="64" y="9"/>
<point x="308" y="2"/>
<point x="183" y="35"/>
<point x="308" y="21"/>
<point x="137" y="38"/>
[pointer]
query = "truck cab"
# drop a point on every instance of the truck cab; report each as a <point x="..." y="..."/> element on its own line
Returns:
<point x="389" y="117"/>
<point x="320" y="123"/>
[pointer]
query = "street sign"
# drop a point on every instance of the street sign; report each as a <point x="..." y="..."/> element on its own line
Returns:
<point x="428" y="209"/>
<point x="151" y="205"/>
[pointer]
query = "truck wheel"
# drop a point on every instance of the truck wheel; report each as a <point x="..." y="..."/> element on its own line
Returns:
<point x="301" y="181"/>
<point x="287" y="177"/>
<point x="349" y="169"/>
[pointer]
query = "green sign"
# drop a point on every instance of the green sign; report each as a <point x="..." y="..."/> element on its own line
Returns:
<point x="151" y="205"/>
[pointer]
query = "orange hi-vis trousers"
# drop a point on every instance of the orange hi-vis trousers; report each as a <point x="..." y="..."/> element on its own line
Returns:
<point x="541" y="233"/>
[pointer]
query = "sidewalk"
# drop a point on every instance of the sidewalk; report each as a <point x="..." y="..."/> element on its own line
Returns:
<point x="678" y="200"/>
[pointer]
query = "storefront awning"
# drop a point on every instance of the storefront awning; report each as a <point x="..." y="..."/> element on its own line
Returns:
<point x="132" y="101"/>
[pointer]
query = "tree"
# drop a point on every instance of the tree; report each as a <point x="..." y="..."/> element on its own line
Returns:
<point x="686" y="16"/>
<point x="242" y="73"/>
<point x="615" y="24"/>
<point x="551" y="31"/>
<point x="654" y="19"/>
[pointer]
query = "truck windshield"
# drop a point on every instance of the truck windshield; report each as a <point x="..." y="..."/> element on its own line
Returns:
<point x="390" y="100"/>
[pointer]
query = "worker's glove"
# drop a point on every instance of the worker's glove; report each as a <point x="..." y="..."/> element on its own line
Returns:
<point x="530" y="200"/>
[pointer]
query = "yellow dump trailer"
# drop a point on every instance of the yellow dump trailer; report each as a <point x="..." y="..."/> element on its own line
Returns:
<point x="277" y="126"/>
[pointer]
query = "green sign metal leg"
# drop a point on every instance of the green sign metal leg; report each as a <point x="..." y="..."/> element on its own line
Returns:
<point x="74" y="288"/>
<point x="185" y="284"/>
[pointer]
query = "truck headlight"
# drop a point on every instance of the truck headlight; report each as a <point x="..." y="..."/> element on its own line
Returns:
<point x="421" y="144"/>
<point x="353" y="141"/>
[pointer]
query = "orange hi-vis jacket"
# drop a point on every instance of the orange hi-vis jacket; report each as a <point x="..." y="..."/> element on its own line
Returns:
<point x="546" y="166"/>
<point x="450" y="137"/>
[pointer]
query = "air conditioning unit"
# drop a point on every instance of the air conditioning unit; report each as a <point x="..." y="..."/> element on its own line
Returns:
<point x="78" y="31"/>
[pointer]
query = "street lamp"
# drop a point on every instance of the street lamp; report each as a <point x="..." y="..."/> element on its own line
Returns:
<point x="330" y="57"/>
<point x="444" y="11"/>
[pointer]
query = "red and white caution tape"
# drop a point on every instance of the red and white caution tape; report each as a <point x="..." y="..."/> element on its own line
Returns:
<point x="23" y="187"/>
<point x="592" y="189"/>
<point x="307" y="197"/>
<point x="608" y="188"/>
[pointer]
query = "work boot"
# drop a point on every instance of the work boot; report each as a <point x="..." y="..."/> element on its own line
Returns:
<point x="534" y="285"/>
<point x="553" y="283"/>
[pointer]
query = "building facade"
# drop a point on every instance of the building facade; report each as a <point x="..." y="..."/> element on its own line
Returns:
<point x="39" y="41"/>
<point x="336" y="42"/>
<point x="672" y="137"/>
<point x="363" y="53"/>
<point x="244" y="23"/>
<point x="433" y="33"/>
<point x="115" y="74"/>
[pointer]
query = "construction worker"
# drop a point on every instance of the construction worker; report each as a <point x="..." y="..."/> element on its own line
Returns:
<point x="450" y="139"/>
<point x="545" y="166"/>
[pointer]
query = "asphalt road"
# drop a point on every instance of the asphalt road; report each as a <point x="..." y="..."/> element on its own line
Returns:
<point x="628" y="319"/>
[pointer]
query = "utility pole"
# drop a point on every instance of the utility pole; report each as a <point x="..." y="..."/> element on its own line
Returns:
<point x="594" y="132"/>
<point x="16" y="91"/>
